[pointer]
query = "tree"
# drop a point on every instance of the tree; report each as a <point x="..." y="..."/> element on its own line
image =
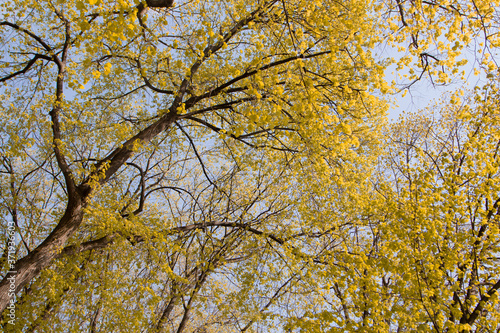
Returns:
<point x="208" y="165"/>
<point x="445" y="203"/>
<point x="423" y="255"/>
<point x="138" y="145"/>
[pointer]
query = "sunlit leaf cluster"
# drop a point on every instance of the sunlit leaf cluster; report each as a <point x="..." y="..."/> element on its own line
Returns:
<point x="227" y="166"/>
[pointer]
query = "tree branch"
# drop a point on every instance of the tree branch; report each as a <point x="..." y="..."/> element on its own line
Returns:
<point x="26" y="68"/>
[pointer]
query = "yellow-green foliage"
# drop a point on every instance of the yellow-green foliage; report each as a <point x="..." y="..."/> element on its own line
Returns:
<point x="227" y="166"/>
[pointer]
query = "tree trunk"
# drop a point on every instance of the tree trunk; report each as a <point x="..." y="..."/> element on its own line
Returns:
<point x="30" y="266"/>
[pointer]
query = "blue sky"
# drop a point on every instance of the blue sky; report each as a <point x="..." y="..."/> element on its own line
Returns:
<point x="424" y="93"/>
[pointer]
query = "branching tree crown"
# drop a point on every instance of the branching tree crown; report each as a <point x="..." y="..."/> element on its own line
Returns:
<point x="208" y="166"/>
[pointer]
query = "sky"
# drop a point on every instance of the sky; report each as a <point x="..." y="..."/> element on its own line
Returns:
<point x="423" y="93"/>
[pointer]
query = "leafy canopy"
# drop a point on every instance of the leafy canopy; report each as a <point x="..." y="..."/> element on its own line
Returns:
<point x="221" y="165"/>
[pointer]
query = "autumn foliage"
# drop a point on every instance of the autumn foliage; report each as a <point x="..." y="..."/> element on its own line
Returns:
<point x="228" y="166"/>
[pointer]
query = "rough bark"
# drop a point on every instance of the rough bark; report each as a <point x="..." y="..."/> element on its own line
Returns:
<point x="30" y="266"/>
